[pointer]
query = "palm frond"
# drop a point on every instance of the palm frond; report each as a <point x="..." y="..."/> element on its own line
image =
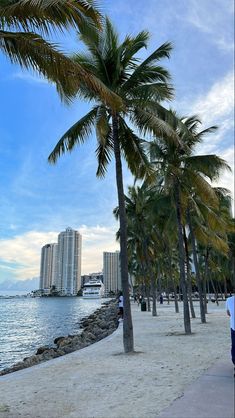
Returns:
<point x="130" y="46"/>
<point x="103" y="154"/>
<point x="156" y="92"/>
<point x="102" y="125"/>
<point x="149" y="123"/>
<point x="208" y="165"/>
<point x="134" y="151"/>
<point x="145" y="71"/>
<point x="47" y="15"/>
<point x="198" y="185"/>
<point x="76" y="135"/>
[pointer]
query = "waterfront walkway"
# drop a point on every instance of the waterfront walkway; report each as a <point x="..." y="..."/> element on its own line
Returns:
<point x="167" y="377"/>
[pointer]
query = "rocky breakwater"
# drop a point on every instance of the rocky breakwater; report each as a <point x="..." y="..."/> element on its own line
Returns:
<point x="95" y="327"/>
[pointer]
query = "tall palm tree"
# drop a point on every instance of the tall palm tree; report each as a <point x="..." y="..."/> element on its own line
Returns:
<point x="115" y="64"/>
<point x="23" y="27"/>
<point x="186" y="176"/>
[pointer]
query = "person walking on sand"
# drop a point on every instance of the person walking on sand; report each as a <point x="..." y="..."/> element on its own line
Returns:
<point x="230" y="307"/>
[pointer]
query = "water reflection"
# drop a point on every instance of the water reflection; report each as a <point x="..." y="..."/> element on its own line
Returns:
<point x="27" y="323"/>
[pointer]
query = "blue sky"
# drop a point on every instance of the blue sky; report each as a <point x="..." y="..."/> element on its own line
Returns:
<point x="37" y="200"/>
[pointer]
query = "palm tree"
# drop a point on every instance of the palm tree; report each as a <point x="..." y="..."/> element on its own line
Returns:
<point x="141" y="236"/>
<point x="23" y="27"/>
<point x="115" y="64"/>
<point x="184" y="176"/>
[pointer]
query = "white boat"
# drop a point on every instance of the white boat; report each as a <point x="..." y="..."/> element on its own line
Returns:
<point x="93" y="289"/>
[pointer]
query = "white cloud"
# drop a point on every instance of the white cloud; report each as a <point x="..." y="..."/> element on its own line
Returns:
<point x="213" y="18"/>
<point x="216" y="107"/>
<point x="22" y="252"/>
<point x="29" y="78"/>
<point x="218" y="103"/>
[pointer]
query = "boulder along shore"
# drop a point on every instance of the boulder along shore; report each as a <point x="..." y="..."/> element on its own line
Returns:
<point x="95" y="327"/>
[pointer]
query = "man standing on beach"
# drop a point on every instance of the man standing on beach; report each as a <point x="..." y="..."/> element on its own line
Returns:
<point x="230" y="306"/>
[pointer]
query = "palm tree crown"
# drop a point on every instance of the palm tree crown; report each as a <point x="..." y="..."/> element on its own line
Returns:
<point x="116" y="66"/>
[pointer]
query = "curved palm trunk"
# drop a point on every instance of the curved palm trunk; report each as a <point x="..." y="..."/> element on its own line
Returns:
<point x="188" y="275"/>
<point x="128" y="339"/>
<point x="183" y="283"/>
<point x="197" y="271"/>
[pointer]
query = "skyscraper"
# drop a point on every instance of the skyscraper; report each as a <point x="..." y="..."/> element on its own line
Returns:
<point x="69" y="262"/>
<point x="112" y="272"/>
<point x="48" y="268"/>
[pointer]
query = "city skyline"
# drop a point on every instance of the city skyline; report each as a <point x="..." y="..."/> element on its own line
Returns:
<point x="60" y="265"/>
<point x="38" y="200"/>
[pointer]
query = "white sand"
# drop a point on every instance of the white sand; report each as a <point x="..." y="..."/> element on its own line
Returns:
<point x="100" y="381"/>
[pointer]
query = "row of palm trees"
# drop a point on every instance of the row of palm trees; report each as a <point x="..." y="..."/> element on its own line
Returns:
<point x="130" y="122"/>
<point x="168" y="222"/>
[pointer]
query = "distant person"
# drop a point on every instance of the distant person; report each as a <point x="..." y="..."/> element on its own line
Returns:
<point x="120" y="305"/>
<point x="140" y="299"/>
<point x="161" y="299"/>
<point x="230" y="307"/>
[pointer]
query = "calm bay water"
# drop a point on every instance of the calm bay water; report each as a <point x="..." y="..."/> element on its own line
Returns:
<point x="27" y="323"/>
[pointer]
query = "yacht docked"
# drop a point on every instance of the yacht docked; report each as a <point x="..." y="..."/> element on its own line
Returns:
<point x="93" y="289"/>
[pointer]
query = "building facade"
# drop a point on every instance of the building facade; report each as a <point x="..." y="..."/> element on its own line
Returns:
<point x="48" y="267"/>
<point x="68" y="280"/>
<point x="112" y="272"/>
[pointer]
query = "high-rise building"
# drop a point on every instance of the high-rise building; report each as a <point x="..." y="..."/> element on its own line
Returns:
<point x="112" y="272"/>
<point x="48" y="268"/>
<point x="69" y="262"/>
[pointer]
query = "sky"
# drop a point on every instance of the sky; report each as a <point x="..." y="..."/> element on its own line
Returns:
<point x="38" y="200"/>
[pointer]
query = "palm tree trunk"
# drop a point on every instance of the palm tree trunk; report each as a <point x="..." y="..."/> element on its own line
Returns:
<point x="173" y="282"/>
<point x="148" y="299"/>
<point x="188" y="275"/>
<point x="174" y="287"/>
<point x="128" y="338"/>
<point x="153" y="289"/>
<point x="225" y="288"/>
<point x="197" y="271"/>
<point x="152" y="280"/>
<point x="206" y="279"/>
<point x="183" y="283"/>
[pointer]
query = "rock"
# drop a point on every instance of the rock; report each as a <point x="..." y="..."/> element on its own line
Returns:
<point x="41" y="350"/>
<point x="31" y="361"/>
<point x="48" y="355"/>
<point x="58" y="339"/>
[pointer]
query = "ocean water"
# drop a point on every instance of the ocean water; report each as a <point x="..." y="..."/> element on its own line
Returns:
<point x="28" y="323"/>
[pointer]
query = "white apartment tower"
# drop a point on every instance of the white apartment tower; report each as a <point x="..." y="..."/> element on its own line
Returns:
<point x="112" y="272"/>
<point x="48" y="268"/>
<point x="69" y="262"/>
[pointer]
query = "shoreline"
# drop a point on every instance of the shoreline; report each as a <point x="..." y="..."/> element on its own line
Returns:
<point x="139" y="384"/>
<point x="98" y="325"/>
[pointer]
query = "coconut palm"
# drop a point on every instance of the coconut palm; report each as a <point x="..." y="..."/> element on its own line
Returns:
<point x="115" y="64"/>
<point x="185" y="177"/>
<point x="141" y="236"/>
<point x="23" y="27"/>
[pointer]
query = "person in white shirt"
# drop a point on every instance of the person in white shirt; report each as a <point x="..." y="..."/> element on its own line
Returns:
<point x="230" y="307"/>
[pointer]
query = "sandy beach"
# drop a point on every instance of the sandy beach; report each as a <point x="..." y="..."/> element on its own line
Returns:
<point x="100" y="381"/>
